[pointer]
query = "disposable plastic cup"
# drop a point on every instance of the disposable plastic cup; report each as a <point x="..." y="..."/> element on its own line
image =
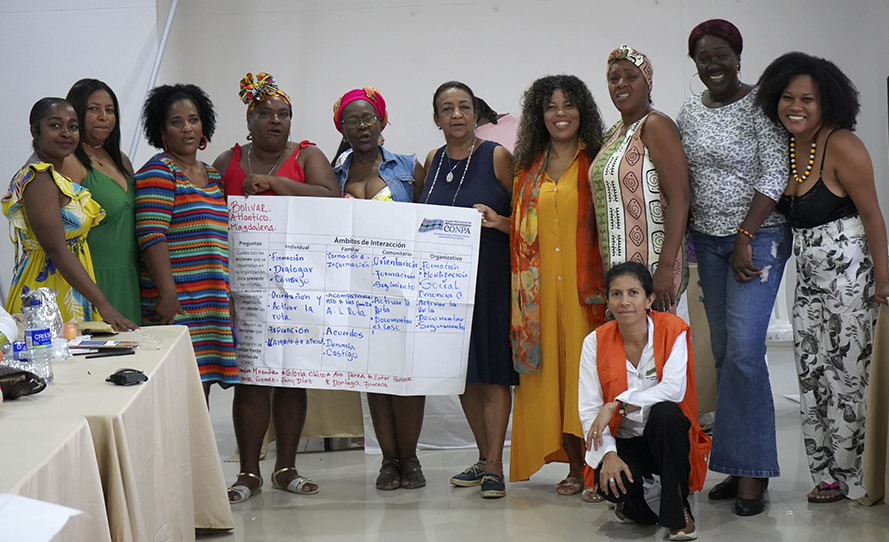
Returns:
<point x="147" y="341"/>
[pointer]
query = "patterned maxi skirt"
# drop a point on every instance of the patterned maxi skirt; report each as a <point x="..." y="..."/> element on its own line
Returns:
<point x="834" y="315"/>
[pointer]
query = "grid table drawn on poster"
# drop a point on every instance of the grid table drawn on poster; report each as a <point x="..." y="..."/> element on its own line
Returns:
<point x="351" y="294"/>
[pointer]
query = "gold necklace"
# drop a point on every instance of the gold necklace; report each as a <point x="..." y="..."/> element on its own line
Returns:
<point x="462" y="177"/>
<point x="274" y="168"/>
<point x="794" y="172"/>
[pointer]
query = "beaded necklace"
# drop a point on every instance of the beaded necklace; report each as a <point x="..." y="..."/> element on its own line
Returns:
<point x="462" y="177"/>
<point x="794" y="172"/>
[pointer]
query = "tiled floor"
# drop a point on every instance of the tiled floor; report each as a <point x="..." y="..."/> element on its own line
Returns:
<point x="349" y="508"/>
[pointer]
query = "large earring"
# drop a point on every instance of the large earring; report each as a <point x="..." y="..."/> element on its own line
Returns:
<point x="249" y="136"/>
<point x="608" y="314"/>
<point x="690" y="79"/>
<point x="164" y="141"/>
<point x="203" y="144"/>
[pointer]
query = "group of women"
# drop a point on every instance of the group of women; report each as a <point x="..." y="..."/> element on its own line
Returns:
<point x="580" y="226"/>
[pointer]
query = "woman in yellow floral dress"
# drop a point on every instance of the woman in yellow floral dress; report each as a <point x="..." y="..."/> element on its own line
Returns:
<point x="54" y="252"/>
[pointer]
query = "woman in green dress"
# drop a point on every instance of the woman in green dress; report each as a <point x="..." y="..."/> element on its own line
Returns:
<point x="50" y="218"/>
<point x="98" y="165"/>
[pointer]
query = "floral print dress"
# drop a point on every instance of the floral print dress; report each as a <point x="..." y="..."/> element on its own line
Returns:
<point x="33" y="268"/>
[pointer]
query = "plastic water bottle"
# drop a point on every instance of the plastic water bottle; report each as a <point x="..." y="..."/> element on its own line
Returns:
<point x="8" y="354"/>
<point x="19" y="358"/>
<point x="38" y="340"/>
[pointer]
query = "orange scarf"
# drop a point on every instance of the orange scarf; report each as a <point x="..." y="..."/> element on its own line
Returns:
<point x="525" y="255"/>
<point x="612" y="368"/>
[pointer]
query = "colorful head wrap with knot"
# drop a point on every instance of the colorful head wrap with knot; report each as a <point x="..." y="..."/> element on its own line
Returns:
<point x="368" y="94"/>
<point x="252" y="91"/>
<point x="625" y="52"/>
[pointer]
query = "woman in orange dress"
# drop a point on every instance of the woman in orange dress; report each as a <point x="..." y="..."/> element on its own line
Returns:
<point x="556" y="268"/>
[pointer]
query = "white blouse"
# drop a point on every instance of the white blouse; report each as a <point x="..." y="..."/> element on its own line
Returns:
<point x="643" y="390"/>
<point x="733" y="151"/>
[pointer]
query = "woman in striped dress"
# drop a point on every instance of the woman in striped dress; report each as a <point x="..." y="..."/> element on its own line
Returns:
<point x="182" y="229"/>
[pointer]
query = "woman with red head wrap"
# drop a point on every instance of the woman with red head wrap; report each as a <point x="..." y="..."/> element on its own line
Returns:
<point x="737" y="172"/>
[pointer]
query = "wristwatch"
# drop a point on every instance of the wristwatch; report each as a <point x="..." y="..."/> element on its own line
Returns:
<point x="621" y="408"/>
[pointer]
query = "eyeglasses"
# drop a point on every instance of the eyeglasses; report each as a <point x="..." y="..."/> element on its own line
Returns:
<point x="367" y="120"/>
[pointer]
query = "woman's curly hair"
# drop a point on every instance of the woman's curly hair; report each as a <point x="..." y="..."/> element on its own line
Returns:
<point x="533" y="136"/>
<point x="838" y="95"/>
<point x="159" y="102"/>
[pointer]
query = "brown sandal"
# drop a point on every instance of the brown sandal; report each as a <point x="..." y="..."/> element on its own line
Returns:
<point x="569" y="486"/>
<point x="390" y="475"/>
<point x="412" y="474"/>
<point x="591" y="495"/>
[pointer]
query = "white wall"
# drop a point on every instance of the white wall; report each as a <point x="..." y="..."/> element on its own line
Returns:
<point x="319" y="49"/>
<point x="406" y="48"/>
<point x="46" y="46"/>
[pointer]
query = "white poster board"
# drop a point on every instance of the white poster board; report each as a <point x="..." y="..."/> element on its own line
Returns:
<point x="352" y="294"/>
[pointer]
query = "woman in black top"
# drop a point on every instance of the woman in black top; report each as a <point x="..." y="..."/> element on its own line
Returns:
<point x="841" y="262"/>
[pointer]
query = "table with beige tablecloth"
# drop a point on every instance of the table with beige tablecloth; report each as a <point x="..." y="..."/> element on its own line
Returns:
<point x="154" y="444"/>
<point x="52" y="459"/>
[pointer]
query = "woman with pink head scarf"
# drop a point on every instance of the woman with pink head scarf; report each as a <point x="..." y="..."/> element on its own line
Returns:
<point x="370" y="171"/>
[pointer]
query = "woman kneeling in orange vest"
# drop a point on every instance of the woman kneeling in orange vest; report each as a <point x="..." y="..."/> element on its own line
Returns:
<point x="638" y="406"/>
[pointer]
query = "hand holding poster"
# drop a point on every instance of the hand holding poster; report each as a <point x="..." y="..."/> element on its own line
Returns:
<point x="353" y="294"/>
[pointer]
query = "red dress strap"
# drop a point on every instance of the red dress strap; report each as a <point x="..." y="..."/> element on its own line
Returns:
<point x="233" y="180"/>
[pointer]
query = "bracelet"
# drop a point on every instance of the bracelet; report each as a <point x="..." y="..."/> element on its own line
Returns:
<point x="745" y="232"/>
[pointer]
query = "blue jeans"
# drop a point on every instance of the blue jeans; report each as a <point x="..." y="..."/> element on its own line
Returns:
<point x="738" y="314"/>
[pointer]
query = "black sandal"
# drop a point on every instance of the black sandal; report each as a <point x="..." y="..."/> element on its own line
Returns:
<point x="15" y="383"/>
<point x="390" y="475"/>
<point x="412" y="471"/>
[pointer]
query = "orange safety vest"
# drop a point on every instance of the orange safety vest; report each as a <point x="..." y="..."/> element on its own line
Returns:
<point x="612" y="368"/>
